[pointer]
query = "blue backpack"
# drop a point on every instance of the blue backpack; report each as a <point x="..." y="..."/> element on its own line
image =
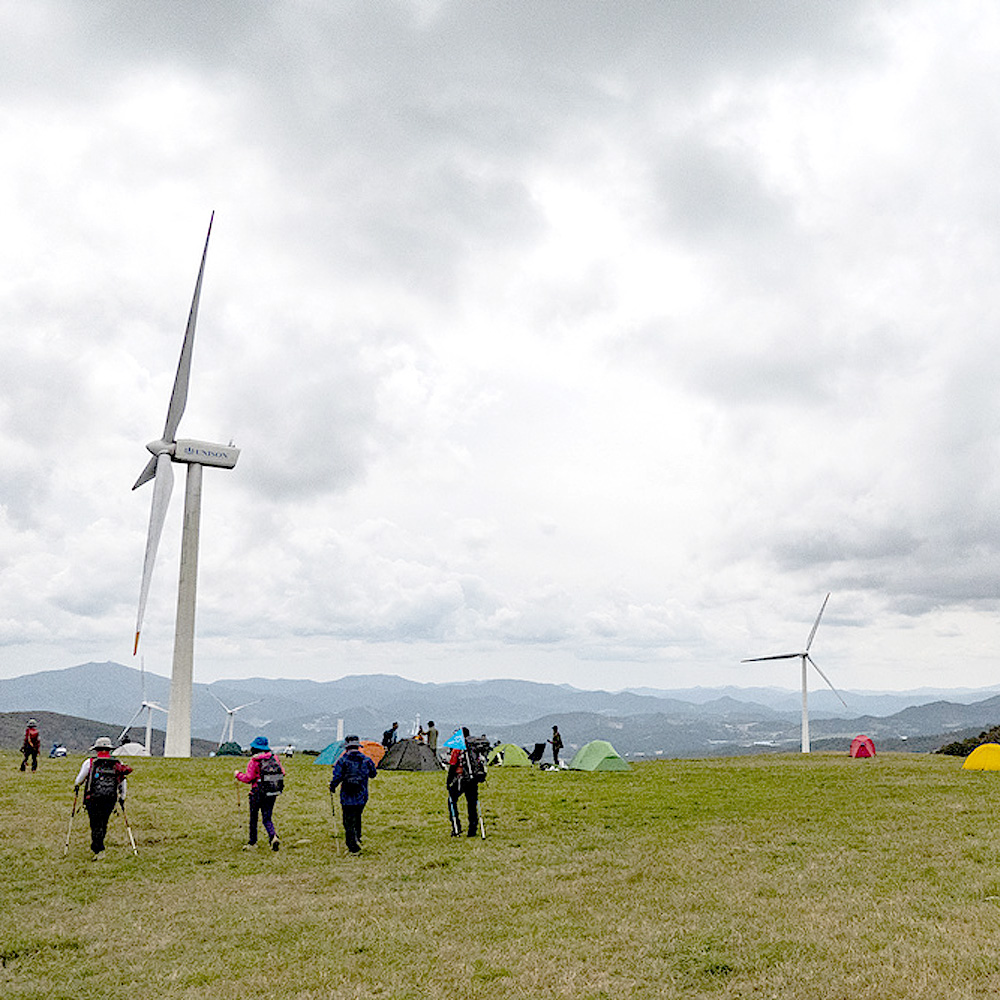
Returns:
<point x="353" y="773"/>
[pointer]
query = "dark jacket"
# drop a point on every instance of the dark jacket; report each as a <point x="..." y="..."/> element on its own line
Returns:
<point x="351" y="772"/>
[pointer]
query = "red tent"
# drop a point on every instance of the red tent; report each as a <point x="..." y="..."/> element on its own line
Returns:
<point x="862" y="746"/>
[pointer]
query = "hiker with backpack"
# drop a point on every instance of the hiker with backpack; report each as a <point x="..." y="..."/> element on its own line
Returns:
<point x="104" y="785"/>
<point x="266" y="778"/>
<point x="390" y="736"/>
<point x="466" y="772"/>
<point x="31" y="745"/>
<point x="352" y="772"/>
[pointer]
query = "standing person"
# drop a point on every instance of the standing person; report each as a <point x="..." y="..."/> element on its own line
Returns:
<point x="390" y="735"/>
<point x="266" y="778"/>
<point x="31" y="745"/>
<point x="431" y="735"/>
<point x="557" y="745"/>
<point x="104" y="785"/>
<point x="352" y="771"/>
<point x="465" y="772"/>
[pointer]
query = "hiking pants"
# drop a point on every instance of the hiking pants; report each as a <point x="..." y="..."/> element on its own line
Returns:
<point x="264" y="805"/>
<point x="33" y="754"/>
<point x="352" y="826"/>
<point x="470" y="789"/>
<point x="99" y="811"/>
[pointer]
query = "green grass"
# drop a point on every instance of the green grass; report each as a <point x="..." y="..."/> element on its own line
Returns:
<point x="776" y="876"/>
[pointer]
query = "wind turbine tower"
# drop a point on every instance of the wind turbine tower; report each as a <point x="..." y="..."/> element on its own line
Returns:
<point x="805" y="658"/>
<point x="195" y="455"/>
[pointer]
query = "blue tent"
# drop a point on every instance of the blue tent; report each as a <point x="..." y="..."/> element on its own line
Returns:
<point x="329" y="755"/>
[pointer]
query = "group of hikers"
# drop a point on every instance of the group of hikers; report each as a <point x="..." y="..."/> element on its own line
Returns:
<point x="103" y="779"/>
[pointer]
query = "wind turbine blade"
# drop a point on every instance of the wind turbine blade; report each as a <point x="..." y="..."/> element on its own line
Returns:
<point x="129" y="724"/>
<point x="779" y="656"/>
<point x="812" y="634"/>
<point x="148" y="473"/>
<point x="178" y="398"/>
<point x="157" y="515"/>
<point x="827" y="679"/>
<point x="239" y="708"/>
<point x="220" y="701"/>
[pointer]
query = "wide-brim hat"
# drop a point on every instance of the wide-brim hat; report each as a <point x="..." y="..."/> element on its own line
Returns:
<point x="32" y="722"/>
<point x="352" y="743"/>
<point x="260" y="743"/>
<point x="102" y="743"/>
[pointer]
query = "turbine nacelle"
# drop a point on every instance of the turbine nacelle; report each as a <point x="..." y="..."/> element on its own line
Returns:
<point x="222" y="456"/>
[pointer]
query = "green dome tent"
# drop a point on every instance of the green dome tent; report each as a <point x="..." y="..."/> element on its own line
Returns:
<point x="597" y="755"/>
<point x="509" y="755"/>
<point x="230" y="749"/>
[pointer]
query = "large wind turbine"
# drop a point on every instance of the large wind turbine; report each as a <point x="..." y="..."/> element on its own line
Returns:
<point x="231" y="717"/>
<point x="195" y="454"/>
<point x="806" y="658"/>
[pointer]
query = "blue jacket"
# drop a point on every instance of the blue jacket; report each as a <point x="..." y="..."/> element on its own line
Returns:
<point x="351" y="772"/>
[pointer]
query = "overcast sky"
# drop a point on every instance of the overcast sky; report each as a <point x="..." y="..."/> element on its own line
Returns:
<point x="572" y="341"/>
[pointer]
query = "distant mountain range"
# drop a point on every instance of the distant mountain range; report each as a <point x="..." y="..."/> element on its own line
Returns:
<point x="692" y="722"/>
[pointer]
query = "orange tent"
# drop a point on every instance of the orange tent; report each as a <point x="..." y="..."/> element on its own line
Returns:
<point x="374" y="751"/>
<point x="862" y="746"/>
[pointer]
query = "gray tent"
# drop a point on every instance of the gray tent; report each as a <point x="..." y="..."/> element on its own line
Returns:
<point x="409" y="755"/>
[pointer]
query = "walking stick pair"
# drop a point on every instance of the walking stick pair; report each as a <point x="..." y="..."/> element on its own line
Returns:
<point x="455" y="822"/>
<point x="69" y="831"/>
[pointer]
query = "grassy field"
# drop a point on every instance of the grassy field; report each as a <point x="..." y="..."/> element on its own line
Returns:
<point x="776" y="876"/>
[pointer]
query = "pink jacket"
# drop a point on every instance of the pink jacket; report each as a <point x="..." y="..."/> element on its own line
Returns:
<point x="252" y="774"/>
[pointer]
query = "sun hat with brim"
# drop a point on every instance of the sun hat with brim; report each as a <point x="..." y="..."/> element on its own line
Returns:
<point x="102" y="743"/>
<point x="352" y="743"/>
<point x="260" y="743"/>
<point x="32" y="722"/>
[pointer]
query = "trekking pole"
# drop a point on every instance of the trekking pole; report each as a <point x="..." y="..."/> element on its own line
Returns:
<point x="76" y="792"/>
<point x="453" y="816"/>
<point x="128" y="827"/>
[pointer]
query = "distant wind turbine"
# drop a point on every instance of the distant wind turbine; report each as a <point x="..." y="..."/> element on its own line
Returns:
<point x="231" y="717"/>
<point x="195" y="454"/>
<point x="148" y="707"/>
<point x="806" y="658"/>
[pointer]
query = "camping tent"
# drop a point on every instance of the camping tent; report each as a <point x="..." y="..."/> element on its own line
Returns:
<point x="985" y="757"/>
<point x="130" y="750"/>
<point x="410" y="755"/>
<point x="508" y="754"/>
<point x="230" y="749"/>
<point x="598" y="755"/>
<point x="862" y="746"/>
<point x="330" y="753"/>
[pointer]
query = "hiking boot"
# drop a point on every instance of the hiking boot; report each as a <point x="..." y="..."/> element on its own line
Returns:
<point x="275" y="844"/>
<point x="98" y="856"/>
<point x="248" y="847"/>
